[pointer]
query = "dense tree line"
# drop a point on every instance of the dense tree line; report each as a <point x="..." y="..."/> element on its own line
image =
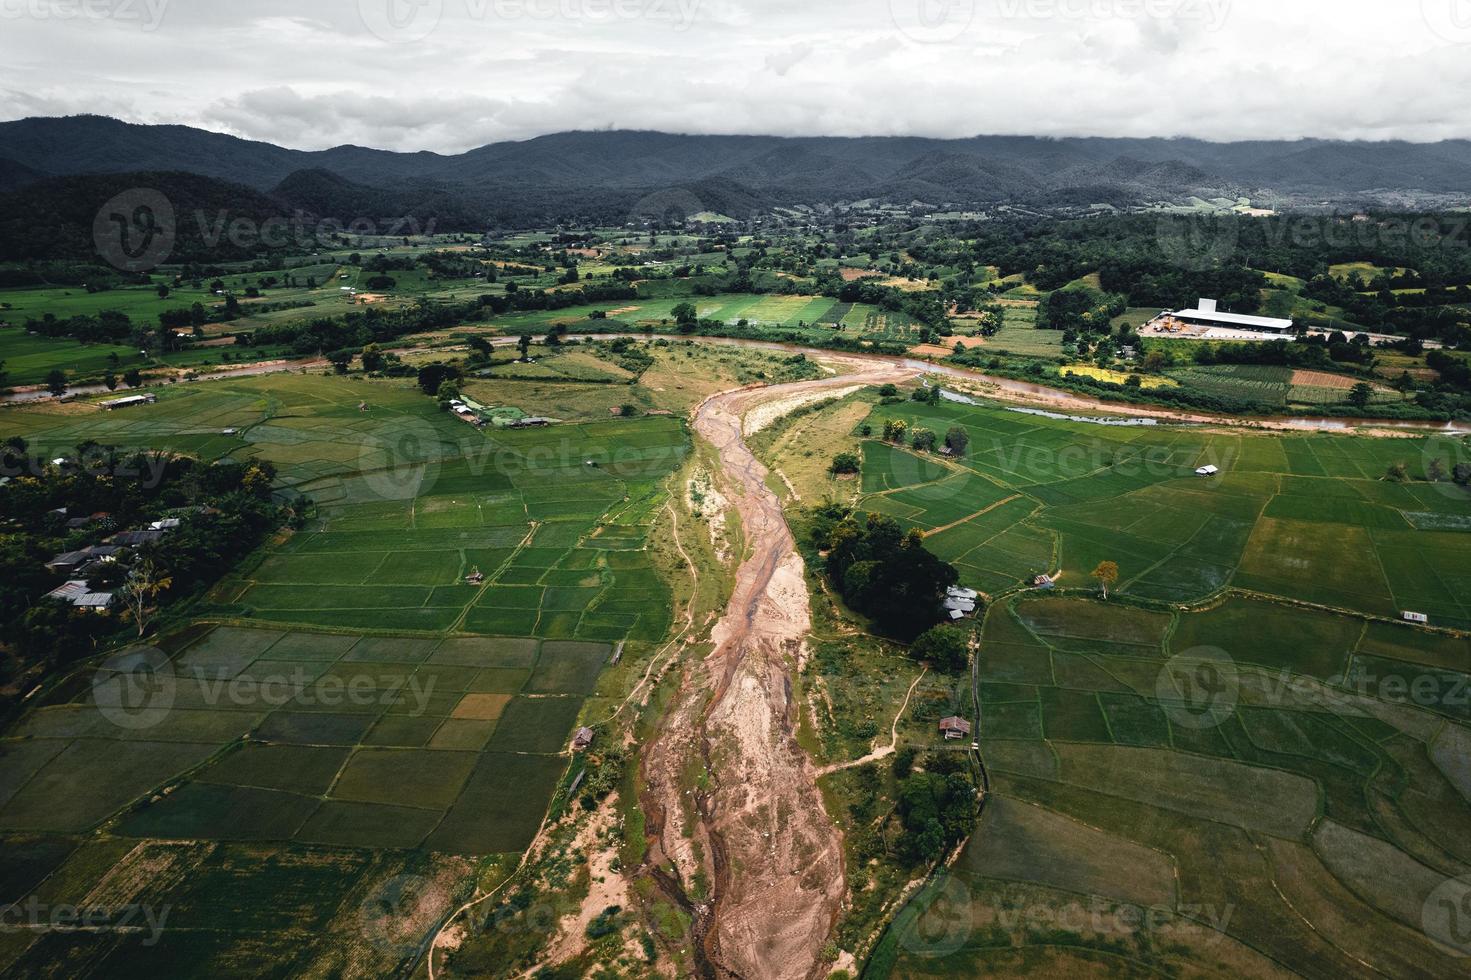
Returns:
<point x="880" y="570"/>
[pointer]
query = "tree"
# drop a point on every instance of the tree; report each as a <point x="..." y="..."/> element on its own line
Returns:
<point x="1461" y="474"/>
<point x="133" y="378"/>
<point x="145" y="583"/>
<point x="1435" y="470"/>
<point x="947" y="647"/>
<point x="431" y="376"/>
<point x="957" y="439"/>
<point x="1361" y="394"/>
<point x="926" y="395"/>
<point x="110" y="380"/>
<point x="163" y="291"/>
<point x="341" y="360"/>
<point x="895" y="430"/>
<point x="524" y="346"/>
<point x="1107" y="574"/>
<point x="628" y="411"/>
<point x="56" y="382"/>
<point x="685" y="314"/>
<point x="845" y="463"/>
<point x="1398" y="473"/>
<point x="923" y="440"/>
<point x="373" y="359"/>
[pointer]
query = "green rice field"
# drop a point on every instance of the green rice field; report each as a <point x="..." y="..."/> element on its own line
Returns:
<point x="383" y="696"/>
<point x="1309" y="517"/>
<point x="1241" y="791"/>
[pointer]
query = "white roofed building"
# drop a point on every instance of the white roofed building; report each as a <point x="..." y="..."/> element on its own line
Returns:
<point x="1222" y="326"/>
<point x="1207" y="315"/>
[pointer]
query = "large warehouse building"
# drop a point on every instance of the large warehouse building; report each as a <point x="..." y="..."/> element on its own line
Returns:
<point x="1206" y="315"/>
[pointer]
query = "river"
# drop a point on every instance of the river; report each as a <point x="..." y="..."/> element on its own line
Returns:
<point x="1026" y="391"/>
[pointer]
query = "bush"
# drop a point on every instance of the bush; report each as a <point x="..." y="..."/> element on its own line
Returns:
<point x="947" y="647"/>
<point x="846" y="463"/>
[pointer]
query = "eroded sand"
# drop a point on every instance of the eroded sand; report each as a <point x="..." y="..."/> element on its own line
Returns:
<point x="753" y="822"/>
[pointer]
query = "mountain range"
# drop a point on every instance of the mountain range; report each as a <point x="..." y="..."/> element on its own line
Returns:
<point x="616" y="175"/>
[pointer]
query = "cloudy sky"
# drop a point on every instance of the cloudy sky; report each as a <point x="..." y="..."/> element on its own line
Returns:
<point x="447" y="75"/>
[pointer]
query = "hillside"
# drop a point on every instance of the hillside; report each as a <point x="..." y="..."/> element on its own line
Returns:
<point x="606" y="174"/>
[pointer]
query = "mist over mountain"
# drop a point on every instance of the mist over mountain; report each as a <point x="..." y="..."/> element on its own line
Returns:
<point x="614" y="176"/>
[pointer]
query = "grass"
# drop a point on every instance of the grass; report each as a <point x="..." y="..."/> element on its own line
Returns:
<point x="1301" y="826"/>
<point x="1308" y="517"/>
<point x="454" y="741"/>
<point x="334" y="752"/>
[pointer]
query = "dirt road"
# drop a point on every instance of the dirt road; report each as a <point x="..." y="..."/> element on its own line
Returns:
<point x="731" y="798"/>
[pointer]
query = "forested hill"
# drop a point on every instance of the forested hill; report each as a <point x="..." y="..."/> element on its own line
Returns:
<point x="624" y="166"/>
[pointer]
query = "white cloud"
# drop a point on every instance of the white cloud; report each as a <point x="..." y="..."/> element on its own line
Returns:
<point x="454" y="74"/>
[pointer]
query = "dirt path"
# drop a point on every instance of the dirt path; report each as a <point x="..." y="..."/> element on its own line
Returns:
<point x="885" y="751"/>
<point x="730" y="794"/>
<point x="970" y="517"/>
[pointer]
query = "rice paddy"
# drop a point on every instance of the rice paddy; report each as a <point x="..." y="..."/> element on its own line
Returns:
<point x="1276" y="806"/>
<point x="1309" y="517"/>
<point x="391" y="686"/>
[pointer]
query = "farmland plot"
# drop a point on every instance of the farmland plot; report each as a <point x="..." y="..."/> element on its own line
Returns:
<point x="1250" y="801"/>
<point x="1303" y="516"/>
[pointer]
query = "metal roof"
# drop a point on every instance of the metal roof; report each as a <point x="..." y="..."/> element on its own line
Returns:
<point x="1237" y="319"/>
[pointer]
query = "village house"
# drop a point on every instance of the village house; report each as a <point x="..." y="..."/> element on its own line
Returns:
<point x="955" y="727"/>
<point x="73" y="562"/>
<point x="960" y="603"/>
<point x="80" y="596"/>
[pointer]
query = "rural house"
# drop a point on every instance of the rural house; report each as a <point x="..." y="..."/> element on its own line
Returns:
<point x="955" y="727"/>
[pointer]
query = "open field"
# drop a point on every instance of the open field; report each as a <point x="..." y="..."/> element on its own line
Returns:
<point x="317" y="769"/>
<point x="29" y="357"/>
<point x="1277" y="385"/>
<point x="366" y="705"/>
<point x="1309" y="517"/>
<point x="266" y="735"/>
<point x="1245" y="811"/>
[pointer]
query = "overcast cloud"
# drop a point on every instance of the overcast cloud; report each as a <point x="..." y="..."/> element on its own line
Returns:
<point x="448" y="75"/>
